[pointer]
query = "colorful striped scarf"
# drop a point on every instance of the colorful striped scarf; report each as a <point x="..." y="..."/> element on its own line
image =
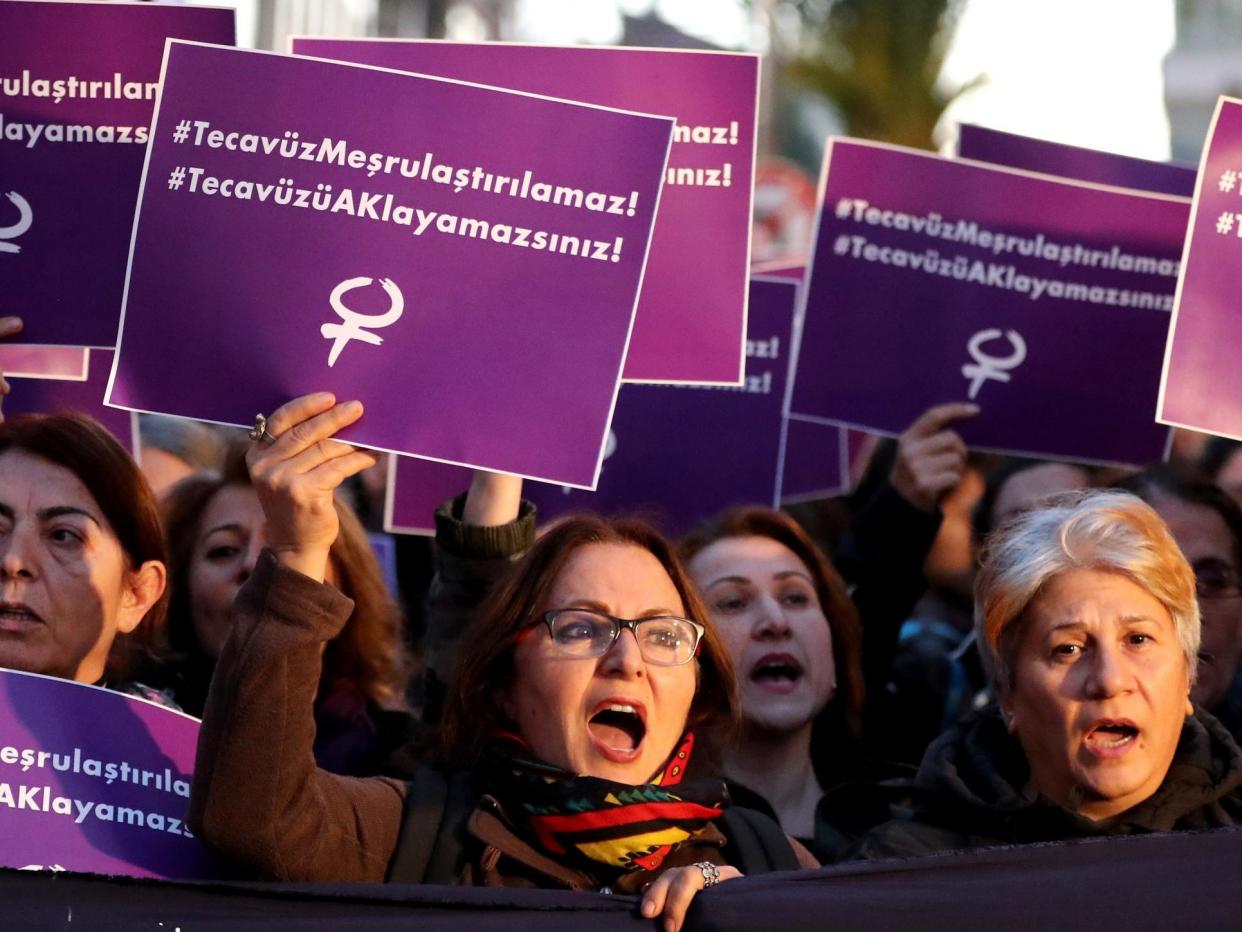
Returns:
<point x="600" y="822"/>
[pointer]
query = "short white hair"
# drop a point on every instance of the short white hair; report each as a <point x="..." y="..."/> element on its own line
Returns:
<point x="1096" y="529"/>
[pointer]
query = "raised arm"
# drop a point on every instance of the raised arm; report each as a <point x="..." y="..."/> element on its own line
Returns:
<point x="478" y="536"/>
<point x="257" y="795"/>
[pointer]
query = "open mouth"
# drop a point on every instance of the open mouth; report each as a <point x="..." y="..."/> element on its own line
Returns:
<point x="618" y="729"/>
<point x="779" y="673"/>
<point x="1111" y="735"/>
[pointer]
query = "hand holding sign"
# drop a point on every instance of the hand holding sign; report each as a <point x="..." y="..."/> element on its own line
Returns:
<point x="24" y="220"/>
<point x="296" y="475"/>
<point x="930" y="457"/>
<point x="8" y="327"/>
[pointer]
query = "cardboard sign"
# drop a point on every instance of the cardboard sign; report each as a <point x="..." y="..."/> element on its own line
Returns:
<point x="1044" y="301"/>
<point x="416" y="243"/>
<point x="1054" y="158"/>
<point x="78" y="82"/>
<point x="1199" y="381"/>
<point x="44" y="395"/>
<point x="691" y="322"/>
<point x="677" y="454"/>
<point x="94" y="780"/>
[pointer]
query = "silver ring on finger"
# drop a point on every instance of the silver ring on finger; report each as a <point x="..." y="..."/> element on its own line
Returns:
<point x="259" y="433"/>
<point x="710" y="872"/>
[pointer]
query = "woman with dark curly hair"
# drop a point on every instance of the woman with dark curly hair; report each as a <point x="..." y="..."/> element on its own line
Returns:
<point x="216" y="531"/>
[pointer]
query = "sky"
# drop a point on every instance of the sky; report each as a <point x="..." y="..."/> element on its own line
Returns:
<point x="1086" y="72"/>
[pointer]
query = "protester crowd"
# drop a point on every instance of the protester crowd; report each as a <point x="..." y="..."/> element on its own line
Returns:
<point x="966" y="651"/>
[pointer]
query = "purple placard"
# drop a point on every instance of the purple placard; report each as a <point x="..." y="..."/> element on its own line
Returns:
<point x="1198" y="384"/>
<point x="937" y="280"/>
<point x="46" y="396"/>
<point x="77" y="86"/>
<point x="94" y="780"/>
<point x="1055" y="158"/>
<point x="815" y="462"/>
<point x="780" y="268"/>
<point x="410" y="505"/>
<point x="436" y="269"/>
<point x="679" y="454"/>
<point x="44" y="362"/>
<point x="692" y="317"/>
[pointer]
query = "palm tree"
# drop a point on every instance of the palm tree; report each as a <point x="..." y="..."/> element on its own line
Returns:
<point x="877" y="62"/>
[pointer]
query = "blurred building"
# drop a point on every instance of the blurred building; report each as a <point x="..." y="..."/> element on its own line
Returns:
<point x="1205" y="62"/>
<point x="268" y="24"/>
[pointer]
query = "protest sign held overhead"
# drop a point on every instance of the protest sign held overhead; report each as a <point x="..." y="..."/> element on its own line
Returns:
<point x="679" y="454"/>
<point x="95" y="780"/>
<point x="78" y="83"/>
<point x="1054" y="158"/>
<point x="415" y="243"/>
<point x="936" y="280"/>
<point x="1199" y="379"/>
<point x="691" y="322"/>
<point x="55" y="395"/>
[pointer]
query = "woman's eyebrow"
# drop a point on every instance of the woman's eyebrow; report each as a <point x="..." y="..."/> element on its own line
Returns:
<point x="1137" y="620"/>
<point x="786" y="574"/>
<point x="229" y="526"/>
<point x="57" y="511"/>
<point x="731" y="579"/>
<point x="603" y="609"/>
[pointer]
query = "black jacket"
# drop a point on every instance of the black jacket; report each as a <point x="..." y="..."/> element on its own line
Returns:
<point x="973" y="790"/>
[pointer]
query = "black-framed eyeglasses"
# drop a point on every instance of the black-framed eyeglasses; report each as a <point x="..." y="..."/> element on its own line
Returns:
<point x="1216" y="579"/>
<point x="663" y="640"/>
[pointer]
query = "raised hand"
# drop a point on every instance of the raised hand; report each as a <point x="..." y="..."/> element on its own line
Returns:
<point x="296" y="474"/>
<point x="930" y="456"/>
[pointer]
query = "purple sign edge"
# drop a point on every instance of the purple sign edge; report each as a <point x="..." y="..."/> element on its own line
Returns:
<point x="1088" y="152"/>
<point x="1221" y="100"/>
<point x="146" y="164"/>
<point x="390" y="495"/>
<point x="754" y="161"/>
<point x="843" y="466"/>
<point x="18" y="374"/>
<point x="821" y="188"/>
<point x="133" y="443"/>
<point x="103" y="689"/>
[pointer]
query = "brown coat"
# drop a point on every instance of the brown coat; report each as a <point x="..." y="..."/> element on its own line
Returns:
<point x="258" y="797"/>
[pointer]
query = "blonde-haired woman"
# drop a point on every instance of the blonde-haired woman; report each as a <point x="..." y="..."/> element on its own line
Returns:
<point x="1086" y="617"/>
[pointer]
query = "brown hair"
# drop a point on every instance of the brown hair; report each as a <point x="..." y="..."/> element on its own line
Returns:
<point x="369" y="650"/>
<point x="82" y="446"/>
<point x="474" y="710"/>
<point x="841" y="718"/>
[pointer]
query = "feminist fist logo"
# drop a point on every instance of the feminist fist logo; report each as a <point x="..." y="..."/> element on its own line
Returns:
<point x="357" y="326"/>
<point x="987" y="366"/>
<point x="25" y="217"/>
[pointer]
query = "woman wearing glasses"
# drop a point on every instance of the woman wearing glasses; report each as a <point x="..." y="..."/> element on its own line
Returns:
<point x="572" y="719"/>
